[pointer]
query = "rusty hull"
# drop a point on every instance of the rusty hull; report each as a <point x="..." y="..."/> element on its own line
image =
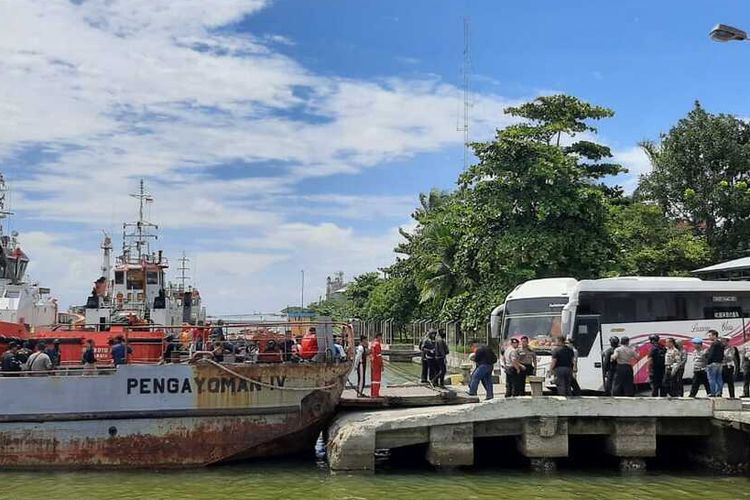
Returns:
<point x="219" y="426"/>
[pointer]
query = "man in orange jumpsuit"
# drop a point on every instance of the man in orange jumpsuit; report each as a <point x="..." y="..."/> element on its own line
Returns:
<point x="376" y="350"/>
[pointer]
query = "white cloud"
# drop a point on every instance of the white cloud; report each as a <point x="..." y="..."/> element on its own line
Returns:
<point x="117" y="90"/>
<point x="637" y="163"/>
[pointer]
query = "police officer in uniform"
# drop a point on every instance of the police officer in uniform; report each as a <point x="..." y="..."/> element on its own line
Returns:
<point x="608" y="366"/>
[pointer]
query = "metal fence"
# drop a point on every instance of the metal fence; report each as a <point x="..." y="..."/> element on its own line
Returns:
<point x="412" y="333"/>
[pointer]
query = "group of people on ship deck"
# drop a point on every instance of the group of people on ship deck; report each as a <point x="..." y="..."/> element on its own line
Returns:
<point x="41" y="358"/>
<point x="265" y="349"/>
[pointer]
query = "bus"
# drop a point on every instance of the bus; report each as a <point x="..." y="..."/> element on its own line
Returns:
<point x="590" y="312"/>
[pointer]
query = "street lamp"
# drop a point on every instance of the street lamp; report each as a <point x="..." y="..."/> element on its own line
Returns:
<point x="724" y="33"/>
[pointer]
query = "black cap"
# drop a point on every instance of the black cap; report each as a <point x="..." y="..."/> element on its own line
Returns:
<point x="653" y="338"/>
<point x="12" y="345"/>
<point x="614" y="341"/>
<point x="56" y="341"/>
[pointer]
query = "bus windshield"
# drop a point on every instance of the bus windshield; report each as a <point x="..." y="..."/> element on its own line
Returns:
<point x="541" y="329"/>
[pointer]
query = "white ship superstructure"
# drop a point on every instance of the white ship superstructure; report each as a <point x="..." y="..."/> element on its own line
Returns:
<point x="136" y="289"/>
<point x="21" y="301"/>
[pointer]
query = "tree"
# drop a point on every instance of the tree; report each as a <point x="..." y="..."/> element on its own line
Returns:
<point x="358" y="292"/>
<point x="536" y="208"/>
<point x="650" y="244"/>
<point x="701" y="175"/>
<point x="394" y="298"/>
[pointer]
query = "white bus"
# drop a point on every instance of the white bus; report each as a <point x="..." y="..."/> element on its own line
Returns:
<point x="592" y="311"/>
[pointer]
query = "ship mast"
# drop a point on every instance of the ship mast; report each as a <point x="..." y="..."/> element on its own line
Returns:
<point x="184" y="261"/>
<point x="137" y="234"/>
<point x="4" y="212"/>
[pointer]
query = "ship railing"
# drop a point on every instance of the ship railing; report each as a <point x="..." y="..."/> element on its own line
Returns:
<point x="235" y="332"/>
<point x="68" y="371"/>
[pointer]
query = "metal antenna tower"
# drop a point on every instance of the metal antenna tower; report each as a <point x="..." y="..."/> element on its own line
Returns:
<point x="4" y="212"/>
<point x="140" y="230"/>
<point x="184" y="261"/>
<point x="466" y="74"/>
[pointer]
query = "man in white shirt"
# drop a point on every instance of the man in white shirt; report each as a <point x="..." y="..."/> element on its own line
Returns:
<point x="360" y="364"/>
<point x="39" y="362"/>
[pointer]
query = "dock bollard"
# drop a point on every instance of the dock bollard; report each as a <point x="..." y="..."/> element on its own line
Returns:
<point x="466" y="373"/>
<point x="537" y="385"/>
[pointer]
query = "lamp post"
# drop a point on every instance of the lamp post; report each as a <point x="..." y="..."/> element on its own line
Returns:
<point x="725" y="33"/>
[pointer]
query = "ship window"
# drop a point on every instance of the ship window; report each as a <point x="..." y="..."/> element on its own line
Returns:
<point x="135" y="280"/>
<point x="119" y="277"/>
<point x="22" y="269"/>
<point x="152" y="278"/>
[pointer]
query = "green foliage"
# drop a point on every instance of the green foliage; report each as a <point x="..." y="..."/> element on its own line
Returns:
<point x="700" y="176"/>
<point x="395" y="298"/>
<point x="337" y="309"/>
<point x="535" y="206"/>
<point x="652" y="245"/>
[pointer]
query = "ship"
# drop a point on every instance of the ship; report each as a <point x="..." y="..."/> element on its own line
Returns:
<point x="24" y="304"/>
<point x="193" y="409"/>
<point x="133" y="292"/>
<point x="167" y="416"/>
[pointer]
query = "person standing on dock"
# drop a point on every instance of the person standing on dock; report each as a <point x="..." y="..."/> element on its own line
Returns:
<point x="608" y="366"/>
<point x="729" y="366"/>
<point x="714" y="361"/>
<point x="746" y="371"/>
<point x="656" y="366"/>
<point x="561" y="365"/>
<point x="376" y="352"/>
<point x="674" y="367"/>
<point x="624" y="356"/>
<point x="485" y="359"/>
<point x="441" y="353"/>
<point x="699" y="368"/>
<point x="429" y="367"/>
<point x="425" y="369"/>
<point x="527" y="363"/>
<point x="507" y="366"/>
<point x="360" y="364"/>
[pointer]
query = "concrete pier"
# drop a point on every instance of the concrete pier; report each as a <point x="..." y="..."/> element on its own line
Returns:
<point x="542" y="427"/>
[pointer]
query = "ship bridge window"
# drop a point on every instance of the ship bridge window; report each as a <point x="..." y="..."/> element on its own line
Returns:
<point x="119" y="277"/>
<point x="22" y="269"/>
<point x="135" y="280"/>
<point x="10" y="269"/>
<point x="152" y="278"/>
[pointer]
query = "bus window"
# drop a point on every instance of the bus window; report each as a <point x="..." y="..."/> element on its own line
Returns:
<point x="540" y="328"/>
<point x="585" y="332"/>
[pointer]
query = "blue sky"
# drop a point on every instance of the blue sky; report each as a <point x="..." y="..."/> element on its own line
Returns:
<point x="289" y="134"/>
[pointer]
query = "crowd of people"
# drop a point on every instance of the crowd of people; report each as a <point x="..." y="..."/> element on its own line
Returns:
<point x="43" y="358"/>
<point x="713" y="367"/>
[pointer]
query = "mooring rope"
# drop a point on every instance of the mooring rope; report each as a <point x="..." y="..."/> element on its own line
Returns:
<point x="263" y="384"/>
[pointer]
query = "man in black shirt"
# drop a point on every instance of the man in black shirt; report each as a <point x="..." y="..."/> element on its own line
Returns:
<point x="608" y="367"/>
<point x="714" y="361"/>
<point x="656" y="367"/>
<point x="10" y="365"/>
<point x="562" y="366"/>
<point x="428" y="355"/>
<point x="485" y="359"/>
<point x="441" y="352"/>
<point x="288" y="346"/>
